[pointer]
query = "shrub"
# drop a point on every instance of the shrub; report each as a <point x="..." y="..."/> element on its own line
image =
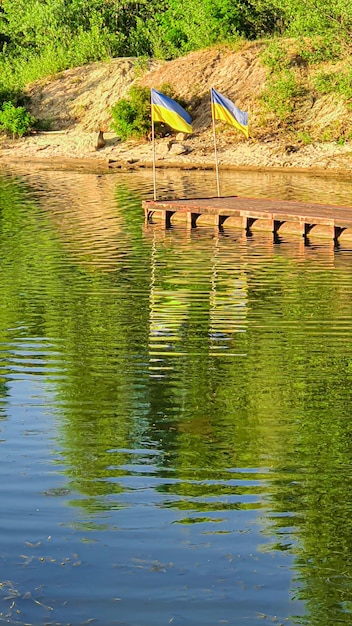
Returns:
<point x="280" y="93"/>
<point x="10" y="94"/>
<point x="320" y="49"/>
<point x="275" y="56"/>
<point x="131" y="115"/>
<point x="15" y="120"/>
<point x="334" y="82"/>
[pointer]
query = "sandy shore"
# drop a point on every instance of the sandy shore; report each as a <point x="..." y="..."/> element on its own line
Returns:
<point x="78" y="149"/>
<point x="77" y="103"/>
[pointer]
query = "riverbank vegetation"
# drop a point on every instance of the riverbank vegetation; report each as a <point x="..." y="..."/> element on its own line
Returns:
<point x="40" y="38"/>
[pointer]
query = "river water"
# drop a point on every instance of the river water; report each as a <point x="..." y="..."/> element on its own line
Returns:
<point x="175" y="408"/>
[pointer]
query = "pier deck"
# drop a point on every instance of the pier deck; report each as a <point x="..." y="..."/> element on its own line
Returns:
<point x="331" y="221"/>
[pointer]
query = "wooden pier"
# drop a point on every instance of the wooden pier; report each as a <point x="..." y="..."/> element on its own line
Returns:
<point x="276" y="216"/>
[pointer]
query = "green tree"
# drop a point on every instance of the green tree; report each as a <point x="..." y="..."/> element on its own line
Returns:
<point x="311" y="17"/>
<point x="185" y="26"/>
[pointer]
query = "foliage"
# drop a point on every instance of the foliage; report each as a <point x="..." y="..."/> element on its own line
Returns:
<point x="320" y="48"/>
<point x="275" y="56"/>
<point x="280" y="92"/>
<point x="280" y="54"/>
<point x="334" y="82"/>
<point x="8" y="94"/>
<point x="287" y="58"/>
<point x="28" y="63"/>
<point x="88" y="30"/>
<point x="188" y="25"/>
<point x="81" y="31"/>
<point x="131" y="115"/>
<point x="42" y="37"/>
<point x="316" y="17"/>
<point x="304" y="137"/>
<point x="15" y="120"/>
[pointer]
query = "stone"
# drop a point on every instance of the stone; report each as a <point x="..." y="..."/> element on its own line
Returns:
<point x="181" y="136"/>
<point x="163" y="148"/>
<point x="178" y="148"/>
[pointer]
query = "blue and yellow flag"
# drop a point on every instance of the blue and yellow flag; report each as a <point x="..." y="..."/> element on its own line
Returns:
<point x="166" y="110"/>
<point x="224" y="109"/>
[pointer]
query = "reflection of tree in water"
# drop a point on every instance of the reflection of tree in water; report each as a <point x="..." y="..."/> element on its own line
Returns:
<point x="285" y="402"/>
<point x="319" y="492"/>
<point x="4" y="393"/>
<point x="21" y="310"/>
<point x="310" y="484"/>
<point x="221" y="373"/>
<point x="104" y="356"/>
<point x="87" y="316"/>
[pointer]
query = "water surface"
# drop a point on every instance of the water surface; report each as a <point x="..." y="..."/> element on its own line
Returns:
<point x="175" y="432"/>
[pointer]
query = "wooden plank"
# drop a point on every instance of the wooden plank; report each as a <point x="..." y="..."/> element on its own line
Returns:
<point x="306" y="214"/>
<point x="267" y="206"/>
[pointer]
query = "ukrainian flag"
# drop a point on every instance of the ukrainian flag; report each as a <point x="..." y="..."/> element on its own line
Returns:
<point x="224" y="109"/>
<point x="166" y="110"/>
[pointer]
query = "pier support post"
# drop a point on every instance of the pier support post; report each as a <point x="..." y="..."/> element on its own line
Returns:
<point x="276" y="225"/>
<point x="307" y="229"/>
<point x="148" y="215"/>
<point x="219" y="220"/>
<point x="166" y="217"/>
<point x="324" y="230"/>
<point x="247" y="222"/>
<point x="338" y="231"/>
<point x="191" y="219"/>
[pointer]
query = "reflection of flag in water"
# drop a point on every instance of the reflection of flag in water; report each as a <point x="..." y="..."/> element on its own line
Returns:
<point x="166" y="110"/>
<point x="168" y="315"/>
<point x="224" y="109"/>
<point x="228" y="314"/>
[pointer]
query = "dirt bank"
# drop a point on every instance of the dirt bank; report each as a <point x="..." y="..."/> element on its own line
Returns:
<point x="77" y="104"/>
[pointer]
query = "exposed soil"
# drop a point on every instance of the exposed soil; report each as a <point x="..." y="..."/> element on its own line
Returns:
<point x="77" y="104"/>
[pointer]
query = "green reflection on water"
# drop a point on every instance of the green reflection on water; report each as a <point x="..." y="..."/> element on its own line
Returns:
<point x="221" y="370"/>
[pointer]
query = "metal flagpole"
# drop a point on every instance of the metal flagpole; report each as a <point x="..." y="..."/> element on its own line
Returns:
<point x="153" y="140"/>
<point x="215" y="150"/>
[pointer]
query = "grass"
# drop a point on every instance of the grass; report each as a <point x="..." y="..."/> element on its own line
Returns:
<point x="281" y="91"/>
<point x="18" y="71"/>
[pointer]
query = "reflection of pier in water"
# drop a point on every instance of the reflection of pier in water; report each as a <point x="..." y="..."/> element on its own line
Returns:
<point x="173" y="319"/>
<point x="303" y="218"/>
<point x="224" y="263"/>
<point x="298" y="249"/>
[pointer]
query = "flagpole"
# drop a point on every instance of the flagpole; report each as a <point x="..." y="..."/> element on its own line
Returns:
<point x="154" y="174"/>
<point x="215" y="150"/>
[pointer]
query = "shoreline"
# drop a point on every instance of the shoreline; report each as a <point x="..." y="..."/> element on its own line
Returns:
<point x="77" y="105"/>
<point x="102" y="166"/>
<point x="71" y="150"/>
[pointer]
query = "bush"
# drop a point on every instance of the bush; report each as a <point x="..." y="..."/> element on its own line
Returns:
<point x="10" y="94"/>
<point x="185" y="25"/>
<point x="280" y="93"/>
<point x="339" y="82"/>
<point x="131" y="116"/>
<point x="320" y="49"/>
<point x="15" y="120"/>
<point x="275" y="56"/>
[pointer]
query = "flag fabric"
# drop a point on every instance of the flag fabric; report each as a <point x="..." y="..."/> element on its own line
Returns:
<point x="224" y="109"/>
<point x="166" y="110"/>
